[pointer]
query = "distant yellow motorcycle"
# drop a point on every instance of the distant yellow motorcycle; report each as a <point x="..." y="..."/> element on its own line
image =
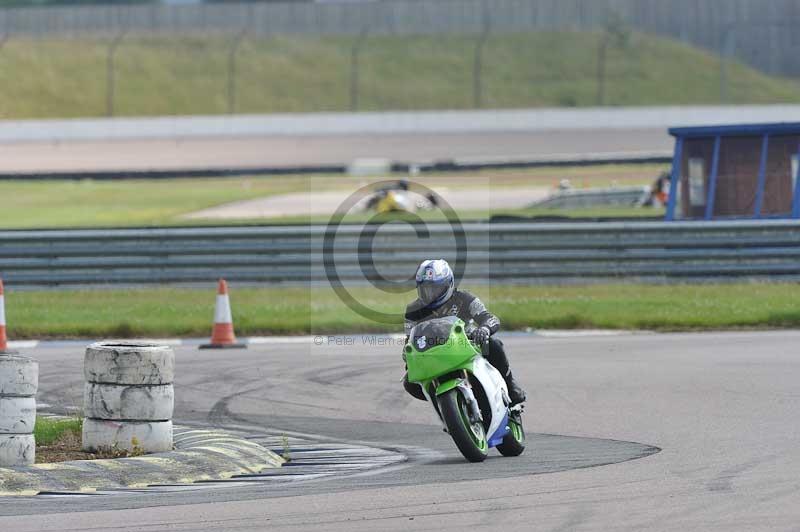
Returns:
<point x="398" y="199"/>
<point x="394" y="201"/>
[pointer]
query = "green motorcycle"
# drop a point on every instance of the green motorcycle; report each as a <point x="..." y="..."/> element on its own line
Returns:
<point x="469" y="395"/>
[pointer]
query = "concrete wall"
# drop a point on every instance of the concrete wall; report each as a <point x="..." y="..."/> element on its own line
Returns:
<point x="626" y="119"/>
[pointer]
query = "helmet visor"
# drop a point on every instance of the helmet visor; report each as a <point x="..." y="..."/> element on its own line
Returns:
<point x="429" y="292"/>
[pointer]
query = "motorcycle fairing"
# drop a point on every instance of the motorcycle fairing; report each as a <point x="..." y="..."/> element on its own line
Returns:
<point x="497" y="393"/>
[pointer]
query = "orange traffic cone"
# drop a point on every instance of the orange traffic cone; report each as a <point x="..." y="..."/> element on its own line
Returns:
<point x="3" y="337"/>
<point x="222" y="336"/>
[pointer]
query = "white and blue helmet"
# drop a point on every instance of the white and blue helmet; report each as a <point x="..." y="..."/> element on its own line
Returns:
<point x="435" y="282"/>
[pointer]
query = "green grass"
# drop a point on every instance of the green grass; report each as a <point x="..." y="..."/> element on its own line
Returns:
<point x="49" y="430"/>
<point x="87" y="203"/>
<point x="163" y="312"/>
<point x="188" y="75"/>
<point x="124" y="202"/>
<point x="470" y="215"/>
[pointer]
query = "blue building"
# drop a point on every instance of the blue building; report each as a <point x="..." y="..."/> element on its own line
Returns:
<point x="741" y="171"/>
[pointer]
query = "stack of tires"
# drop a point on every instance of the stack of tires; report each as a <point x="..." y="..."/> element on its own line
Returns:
<point x="19" y="380"/>
<point x="129" y="397"/>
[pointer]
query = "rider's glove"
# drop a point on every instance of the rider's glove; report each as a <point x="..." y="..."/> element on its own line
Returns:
<point x="481" y="335"/>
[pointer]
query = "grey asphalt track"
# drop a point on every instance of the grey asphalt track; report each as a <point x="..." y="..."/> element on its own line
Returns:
<point x="172" y="143"/>
<point x="722" y="407"/>
<point x="316" y="150"/>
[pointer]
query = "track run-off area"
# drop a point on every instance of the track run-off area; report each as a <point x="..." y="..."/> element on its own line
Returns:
<point x="696" y="431"/>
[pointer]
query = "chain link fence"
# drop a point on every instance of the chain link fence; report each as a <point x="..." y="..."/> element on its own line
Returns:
<point x="242" y="73"/>
<point x="298" y="57"/>
<point x="706" y="23"/>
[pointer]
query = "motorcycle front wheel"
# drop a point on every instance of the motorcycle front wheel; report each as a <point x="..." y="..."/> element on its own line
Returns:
<point x="470" y="438"/>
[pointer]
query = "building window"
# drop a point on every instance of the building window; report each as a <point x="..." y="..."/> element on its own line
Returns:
<point x="697" y="182"/>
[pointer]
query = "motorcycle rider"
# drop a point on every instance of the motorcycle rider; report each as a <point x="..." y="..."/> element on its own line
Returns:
<point x="438" y="298"/>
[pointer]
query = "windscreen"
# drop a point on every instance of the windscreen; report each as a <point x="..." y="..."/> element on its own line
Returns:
<point x="432" y="333"/>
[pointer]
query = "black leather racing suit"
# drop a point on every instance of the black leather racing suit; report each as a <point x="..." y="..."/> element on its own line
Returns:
<point x="471" y="310"/>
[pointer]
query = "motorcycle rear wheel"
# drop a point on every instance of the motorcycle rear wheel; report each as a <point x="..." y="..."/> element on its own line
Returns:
<point x="470" y="438"/>
<point x="514" y="442"/>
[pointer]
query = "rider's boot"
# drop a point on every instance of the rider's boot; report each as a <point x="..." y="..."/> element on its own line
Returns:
<point x="515" y="391"/>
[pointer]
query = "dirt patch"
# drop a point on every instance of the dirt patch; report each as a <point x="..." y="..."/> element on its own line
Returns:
<point x="68" y="447"/>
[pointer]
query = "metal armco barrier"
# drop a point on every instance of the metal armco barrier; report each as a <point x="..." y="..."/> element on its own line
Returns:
<point x="508" y="252"/>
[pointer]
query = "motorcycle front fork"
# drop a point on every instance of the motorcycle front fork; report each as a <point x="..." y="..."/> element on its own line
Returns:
<point x="475" y="415"/>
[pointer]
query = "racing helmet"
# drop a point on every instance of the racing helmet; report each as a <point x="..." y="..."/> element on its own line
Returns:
<point x="435" y="282"/>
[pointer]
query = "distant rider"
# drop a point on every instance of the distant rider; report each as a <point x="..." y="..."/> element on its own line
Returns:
<point x="438" y="298"/>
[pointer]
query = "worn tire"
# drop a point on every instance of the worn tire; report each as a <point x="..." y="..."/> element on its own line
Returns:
<point x="17" y="450"/>
<point x="451" y="405"/>
<point x="151" y="437"/>
<point x="131" y="363"/>
<point x="19" y="376"/>
<point x="133" y="403"/>
<point x="17" y="415"/>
